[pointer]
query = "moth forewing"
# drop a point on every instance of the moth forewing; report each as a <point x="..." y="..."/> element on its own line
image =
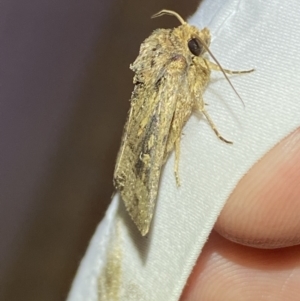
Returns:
<point x="142" y="153"/>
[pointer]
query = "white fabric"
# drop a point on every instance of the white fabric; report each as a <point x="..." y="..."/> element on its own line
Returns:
<point x="246" y="34"/>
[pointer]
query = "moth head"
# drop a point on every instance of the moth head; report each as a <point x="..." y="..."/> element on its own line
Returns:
<point x="199" y="40"/>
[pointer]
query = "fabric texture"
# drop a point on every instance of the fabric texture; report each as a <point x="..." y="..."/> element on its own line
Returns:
<point x="246" y="34"/>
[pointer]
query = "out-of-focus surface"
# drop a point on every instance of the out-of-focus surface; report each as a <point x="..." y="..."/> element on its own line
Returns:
<point x="64" y="90"/>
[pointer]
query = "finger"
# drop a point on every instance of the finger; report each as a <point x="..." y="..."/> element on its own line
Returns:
<point x="226" y="271"/>
<point x="263" y="211"/>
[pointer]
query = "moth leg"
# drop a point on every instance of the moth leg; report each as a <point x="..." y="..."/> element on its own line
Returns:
<point x="174" y="140"/>
<point x="216" y="67"/>
<point x="213" y="126"/>
<point x="177" y="156"/>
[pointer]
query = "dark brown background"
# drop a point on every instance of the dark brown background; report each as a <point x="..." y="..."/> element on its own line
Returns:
<point x="64" y="91"/>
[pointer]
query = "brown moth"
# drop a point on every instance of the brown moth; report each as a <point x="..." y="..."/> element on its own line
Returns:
<point x="171" y="74"/>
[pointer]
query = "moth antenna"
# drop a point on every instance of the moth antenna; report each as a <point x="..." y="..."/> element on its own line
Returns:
<point x="221" y="68"/>
<point x="169" y="12"/>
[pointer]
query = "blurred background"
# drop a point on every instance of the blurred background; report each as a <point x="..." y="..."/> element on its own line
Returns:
<point x="64" y="89"/>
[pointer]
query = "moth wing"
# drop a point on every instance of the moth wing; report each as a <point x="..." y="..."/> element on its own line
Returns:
<point x="142" y="151"/>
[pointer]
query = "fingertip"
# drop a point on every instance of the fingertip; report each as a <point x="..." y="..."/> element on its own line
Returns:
<point x="263" y="210"/>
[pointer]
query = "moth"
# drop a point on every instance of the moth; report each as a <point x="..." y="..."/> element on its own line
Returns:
<point x="171" y="73"/>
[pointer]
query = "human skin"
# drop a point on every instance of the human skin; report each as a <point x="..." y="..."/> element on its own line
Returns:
<point x="254" y="252"/>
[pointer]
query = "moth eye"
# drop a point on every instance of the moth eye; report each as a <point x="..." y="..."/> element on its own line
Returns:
<point x="195" y="46"/>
